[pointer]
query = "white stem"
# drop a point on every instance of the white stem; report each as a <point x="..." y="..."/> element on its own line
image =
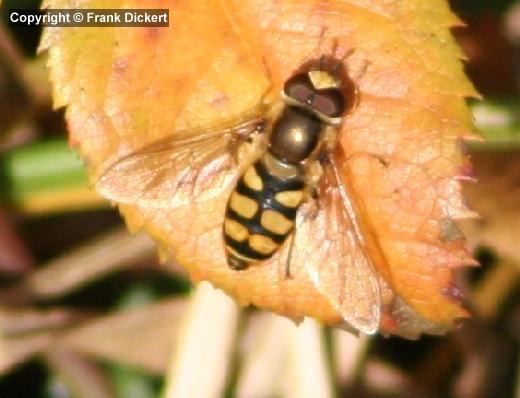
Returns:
<point x="308" y="374"/>
<point x="200" y="362"/>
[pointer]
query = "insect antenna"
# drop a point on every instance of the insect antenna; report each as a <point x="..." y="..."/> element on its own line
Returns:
<point x="321" y="39"/>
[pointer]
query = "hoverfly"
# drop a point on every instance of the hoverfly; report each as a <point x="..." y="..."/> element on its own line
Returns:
<point x="284" y="187"/>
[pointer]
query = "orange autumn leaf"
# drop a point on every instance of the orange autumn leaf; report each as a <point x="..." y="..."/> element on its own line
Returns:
<point x="126" y="88"/>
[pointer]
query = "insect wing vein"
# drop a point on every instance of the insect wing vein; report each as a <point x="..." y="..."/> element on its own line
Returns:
<point x="175" y="172"/>
<point x="337" y="260"/>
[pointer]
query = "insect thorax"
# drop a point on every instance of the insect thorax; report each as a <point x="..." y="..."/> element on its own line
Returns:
<point x="295" y="134"/>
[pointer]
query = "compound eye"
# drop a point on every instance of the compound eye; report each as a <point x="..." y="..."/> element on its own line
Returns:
<point x="330" y="103"/>
<point x="299" y="88"/>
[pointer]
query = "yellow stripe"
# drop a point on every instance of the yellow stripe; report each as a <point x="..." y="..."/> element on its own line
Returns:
<point x="244" y="206"/>
<point x="275" y="222"/>
<point x="252" y="179"/>
<point x="235" y="230"/>
<point x="289" y="198"/>
<point x="262" y="244"/>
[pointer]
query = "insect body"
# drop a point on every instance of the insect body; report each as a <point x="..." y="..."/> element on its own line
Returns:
<point x="290" y="185"/>
<point x="262" y="209"/>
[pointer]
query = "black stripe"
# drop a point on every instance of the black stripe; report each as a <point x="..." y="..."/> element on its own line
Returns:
<point x="243" y="189"/>
<point x="266" y="199"/>
<point x="273" y="185"/>
<point x="255" y="227"/>
<point x="288" y="212"/>
<point x="245" y="250"/>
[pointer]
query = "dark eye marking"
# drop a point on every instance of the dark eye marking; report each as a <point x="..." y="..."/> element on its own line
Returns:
<point x="329" y="103"/>
<point x="299" y="88"/>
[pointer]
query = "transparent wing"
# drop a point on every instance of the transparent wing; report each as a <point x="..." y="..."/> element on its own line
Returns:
<point x="334" y="254"/>
<point x="177" y="172"/>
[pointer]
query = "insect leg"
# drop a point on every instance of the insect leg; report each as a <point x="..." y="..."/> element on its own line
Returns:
<point x="289" y="256"/>
<point x="250" y="149"/>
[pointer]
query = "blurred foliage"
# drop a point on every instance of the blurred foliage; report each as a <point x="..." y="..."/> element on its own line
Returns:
<point x="87" y="311"/>
<point x="471" y="8"/>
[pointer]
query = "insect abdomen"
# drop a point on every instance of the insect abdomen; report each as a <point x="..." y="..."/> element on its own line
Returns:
<point x="261" y="211"/>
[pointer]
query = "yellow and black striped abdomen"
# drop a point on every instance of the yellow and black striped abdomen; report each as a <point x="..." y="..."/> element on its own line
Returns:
<point x="260" y="214"/>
